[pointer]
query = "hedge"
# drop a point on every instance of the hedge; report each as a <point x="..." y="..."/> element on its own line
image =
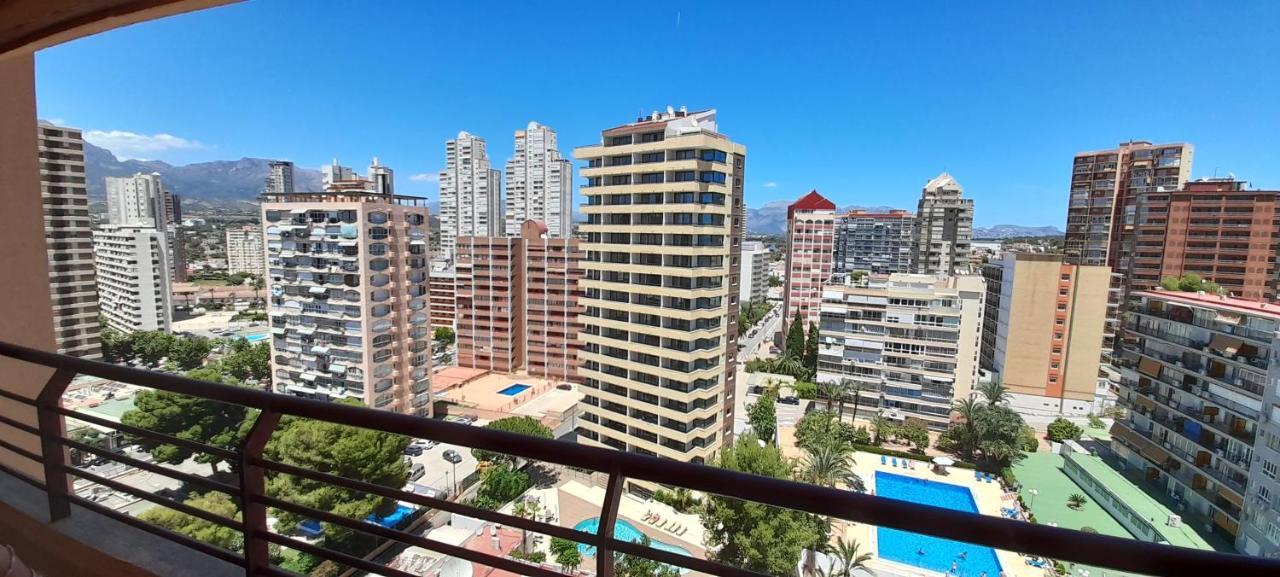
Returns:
<point x="906" y="455"/>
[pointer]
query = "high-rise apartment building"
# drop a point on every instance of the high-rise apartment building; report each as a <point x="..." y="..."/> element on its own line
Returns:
<point x="943" y="229"/>
<point x="334" y="173"/>
<point x="1197" y="373"/>
<point x="754" y="276"/>
<point x="72" y="285"/>
<point x="131" y="265"/>
<point x="141" y="201"/>
<point x="875" y="242"/>
<point x="1102" y="209"/>
<point x="244" y="250"/>
<point x="470" y="192"/>
<point x="1215" y="228"/>
<point x="348" y="284"/>
<point x="1043" y="331"/>
<point x="909" y="342"/>
<point x="811" y="238"/>
<point x="443" y="293"/>
<point x="280" y="178"/>
<point x="664" y="208"/>
<point x="518" y="303"/>
<point x="382" y="178"/>
<point x="539" y="183"/>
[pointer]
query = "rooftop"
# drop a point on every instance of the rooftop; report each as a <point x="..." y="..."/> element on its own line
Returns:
<point x="1251" y="307"/>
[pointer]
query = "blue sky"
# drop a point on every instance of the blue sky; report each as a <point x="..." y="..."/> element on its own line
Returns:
<point x="863" y="101"/>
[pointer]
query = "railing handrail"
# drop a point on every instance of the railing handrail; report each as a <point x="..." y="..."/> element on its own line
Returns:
<point x="1052" y="542"/>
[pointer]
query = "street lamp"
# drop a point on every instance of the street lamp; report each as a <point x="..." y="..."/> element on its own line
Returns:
<point x="453" y="458"/>
<point x="1033" y="492"/>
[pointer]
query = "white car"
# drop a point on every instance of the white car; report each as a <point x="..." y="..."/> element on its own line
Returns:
<point x="424" y="443"/>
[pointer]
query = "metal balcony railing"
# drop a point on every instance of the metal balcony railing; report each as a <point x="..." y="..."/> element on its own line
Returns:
<point x="1064" y="544"/>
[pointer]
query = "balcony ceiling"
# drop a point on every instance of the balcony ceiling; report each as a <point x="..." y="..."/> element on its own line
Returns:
<point x="29" y="25"/>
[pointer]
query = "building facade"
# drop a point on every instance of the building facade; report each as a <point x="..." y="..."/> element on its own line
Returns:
<point x="131" y="266"/>
<point x="1043" y="330"/>
<point x="1260" y="528"/>
<point x="1195" y="378"/>
<point x="470" y="192"/>
<point x="943" y="229"/>
<point x="1215" y="228"/>
<point x="72" y="285"/>
<point x="754" y="272"/>
<point x="443" y="293"/>
<point x="908" y="342"/>
<point x="489" y="272"/>
<point x="334" y="173"/>
<point x="665" y="216"/>
<point x="381" y="178"/>
<point x="280" y="178"/>
<point x="244" y="250"/>
<point x="811" y="237"/>
<point x="347" y="277"/>
<point x="539" y="183"/>
<point x="136" y="201"/>
<point x="875" y="242"/>
<point x="553" y="303"/>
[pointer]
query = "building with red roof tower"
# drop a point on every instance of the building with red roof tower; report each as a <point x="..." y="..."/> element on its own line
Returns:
<point x="811" y="236"/>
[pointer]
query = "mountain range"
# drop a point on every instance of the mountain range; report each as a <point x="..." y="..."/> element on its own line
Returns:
<point x="223" y="184"/>
<point x="220" y="183"/>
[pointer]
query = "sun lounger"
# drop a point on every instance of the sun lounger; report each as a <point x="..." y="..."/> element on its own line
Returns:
<point x="895" y="462"/>
<point x="989" y="477"/>
<point x="883" y="459"/>
<point x="977" y="476"/>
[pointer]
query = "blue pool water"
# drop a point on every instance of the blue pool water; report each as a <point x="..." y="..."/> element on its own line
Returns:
<point x="256" y="338"/>
<point x="394" y="518"/>
<point x="624" y="531"/>
<point x="514" y="390"/>
<point x="938" y="554"/>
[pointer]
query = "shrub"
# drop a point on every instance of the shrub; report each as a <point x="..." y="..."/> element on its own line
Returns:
<point x="1076" y="501"/>
<point x="904" y="455"/>
<point x="532" y="556"/>
<point x="806" y="390"/>
<point x="1010" y="481"/>
<point x="1061" y="430"/>
<point x="1095" y="422"/>
<point x="1088" y="529"/>
<point x="1027" y="440"/>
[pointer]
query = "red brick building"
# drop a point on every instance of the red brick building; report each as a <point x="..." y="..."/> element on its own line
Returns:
<point x="811" y="236"/>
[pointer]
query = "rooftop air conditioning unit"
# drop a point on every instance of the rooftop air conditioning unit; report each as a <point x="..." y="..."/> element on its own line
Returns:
<point x="1174" y="520"/>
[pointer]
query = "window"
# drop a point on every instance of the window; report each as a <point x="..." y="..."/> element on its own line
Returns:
<point x="653" y="157"/>
<point x="1269" y="469"/>
<point x="1057" y="350"/>
<point x="711" y="176"/>
<point x="1066" y="277"/>
<point x="651" y="137"/>
<point x="1062" y="306"/>
<point x="713" y="156"/>
<point x="1264" y="494"/>
<point x="620" y="140"/>
<point x="685" y="154"/>
<point x="651" y="178"/>
<point x="684" y="176"/>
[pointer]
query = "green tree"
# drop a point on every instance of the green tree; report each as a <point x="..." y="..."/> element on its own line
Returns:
<point x="1061" y="430"/>
<point x="994" y="392"/>
<point x="521" y="425"/>
<point x="190" y="352"/>
<point x="444" y="335"/>
<point x="763" y="417"/>
<point x="340" y="450"/>
<point x="755" y="536"/>
<point x="811" y="351"/>
<point x="526" y="509"/>
<point x="774" y="282"/>
<point x="855" y="390"/>
<point x="258" y="284"/>
<point x="680" y="499"/>
<point x="998" y="432"/>
<point x="964" y="436"/>
<point x="916" y="434"/>
<point x="627" y="565"/>
<point x="883" y="428"/>
<point x="1076" y="501"/>
<point x="1189" y="283"/>
<point x="816" y="429"/>
<point x="795" y="340"/>
<point x="248" y="361"/>
<point x="189" y="418"/>
<point x="570" y="559"/>
<point x="117" y="347"/>
<point x="502" y="483"/>
<point x="827" y="464"/>
<point x="849" y="558"/>
<point x="199" y="529"/>
<point x="151" y="346"/>
<point x="1027" y="440"/>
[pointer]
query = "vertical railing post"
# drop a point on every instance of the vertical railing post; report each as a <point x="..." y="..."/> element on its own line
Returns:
<point x="608" y="517"/>
<point x="56" y="481"/>
<point x="253" y="485"/>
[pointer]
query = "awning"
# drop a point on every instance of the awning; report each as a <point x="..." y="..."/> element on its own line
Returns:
<point x="337" y="368"/>
<point x="418" y="242"/>
<point x="316" y="290"/>
<point x="308" y="377"/>
<point x="348" y="242"/>
<point x="1228" y="317"/>
<point x="298" y="211"/>
<point x="1149" y="366"/>
<point x="320" y="350"/>
<point x="1226" y="344"/>
<point x="307" y="331"/>
<point x="278" y="331"/>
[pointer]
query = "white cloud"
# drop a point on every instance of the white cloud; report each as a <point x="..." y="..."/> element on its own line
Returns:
<point x="131" y="145"/>
<point x="770" y="184"/>
<point x="425" y="177"/>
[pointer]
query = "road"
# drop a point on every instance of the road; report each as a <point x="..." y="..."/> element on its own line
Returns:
<point x="749" y="346"/>
<point x="439" y="472"/>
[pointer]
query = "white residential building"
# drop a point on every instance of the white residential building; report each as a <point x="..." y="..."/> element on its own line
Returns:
<point x="136" y="201"/>
<point x="754" y="283"/>
<point x="131" y="265"/>
<point x="944" y="228"/>
<point x="382" y="178"/>
<point x="910" y="341"/>
<point x="470" y="192"/>
<point x="280" y="179"/>
<point x="349" y="297"/>
<point x="244" y="250"/>
<point x="335" y="172"/>
<point x="539" y="183"/>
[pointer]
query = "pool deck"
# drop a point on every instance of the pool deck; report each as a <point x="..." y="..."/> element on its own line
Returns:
<point x="989" y="497"/>
<point x="578" y="502"/>
<point x="483" y="393"/>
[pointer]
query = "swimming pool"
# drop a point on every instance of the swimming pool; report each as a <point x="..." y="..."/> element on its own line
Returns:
<point x="927" y="552"/>
<point x="256" y="338"/>
<point x="624" y="531"/>
<point x="514" y="390"/>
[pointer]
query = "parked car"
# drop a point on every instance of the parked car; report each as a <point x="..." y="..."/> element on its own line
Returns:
<point x="413" y="450"/>
<point x="790" y="400"/>
<point x="452" y="456"/>
<point x="755" y="390"/>
<point x="423" y="444"/>
<point x="417" y="471"/>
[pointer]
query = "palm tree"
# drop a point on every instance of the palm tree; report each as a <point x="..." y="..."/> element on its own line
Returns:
<point x="826" y="465"/>
<point x="850" y="558"/>
<point x="994" y="391"/>
<point x="827" y="391"/>
<point x="257" y="287"/>
<point x="855" y="389"/>
<point x="968" y="410"/>
<point x="525" y="509"/>
<point x="882" y="427"/>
